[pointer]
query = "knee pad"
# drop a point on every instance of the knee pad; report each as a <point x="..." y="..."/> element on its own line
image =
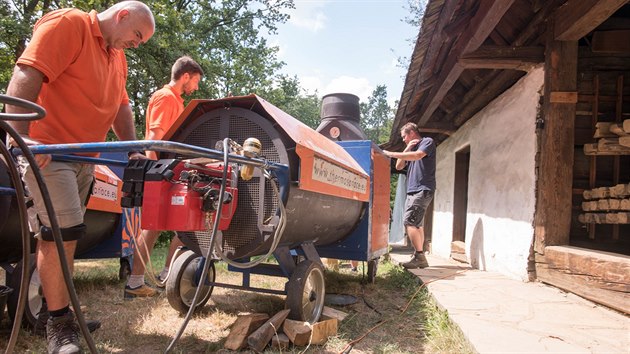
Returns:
<point x="67" y="234"/>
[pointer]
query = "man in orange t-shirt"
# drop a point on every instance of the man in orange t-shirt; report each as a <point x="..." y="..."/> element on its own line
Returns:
<point x="74" y="66"/>
<point x="164" y="108"/>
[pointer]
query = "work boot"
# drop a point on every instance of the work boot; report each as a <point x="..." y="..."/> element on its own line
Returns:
<point x="141" y="291"/>
<point x="62" y="334"/>
<point x="418" y="260"/>
<point x="42" y="319"/>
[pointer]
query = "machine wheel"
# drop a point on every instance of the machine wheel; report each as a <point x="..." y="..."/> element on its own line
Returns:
<point x="35" y="295"/>
<point x="306" y="292"/>
<point x="180" y="286"/>
<point x="372" y="270"/>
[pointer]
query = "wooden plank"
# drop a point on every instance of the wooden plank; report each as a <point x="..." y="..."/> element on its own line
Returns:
<point x="322" y="330"/>
<point x="329" y="312"/>
<point x="280" y="341"/>
<point x="626" y="125"/>
<point x="259" y="339"/>
<point x="624" y="141"/>
<point x="607" y="147"/>
<point x="485" y="20"/>
<point x="552" y="218"/>
<point x="242" y="328"/>
<point x="503" y="57"/>
<point x="563" y="97"/>
<point x="617" y="129"/>
<point x="602" y="130"/>
<point x="615" y="41"/>
<point x="598" y="276"/>
<point x="577" y="18"/>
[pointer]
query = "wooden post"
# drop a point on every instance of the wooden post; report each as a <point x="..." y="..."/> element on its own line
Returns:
<point x="555" y="176"/>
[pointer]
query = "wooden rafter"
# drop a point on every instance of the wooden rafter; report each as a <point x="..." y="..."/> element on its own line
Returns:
<point x="503" y="57"/>
<point x="576" y="18"/>
<point x="485" y="20"/>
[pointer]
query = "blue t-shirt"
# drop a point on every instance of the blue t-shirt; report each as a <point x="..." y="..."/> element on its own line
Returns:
<point x="421" y="173"/>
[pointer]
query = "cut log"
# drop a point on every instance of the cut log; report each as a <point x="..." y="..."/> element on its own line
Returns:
<point x="617" y="129"/>
<point x="596" y="193"/>
<point x="261" y="337"/>
<point x="606" y="147"/>
<point x="604" y="218"/>
<point x="602" y="130"/>
<point x="626" y="125"/>
<point x="280" y="341"/>
<point x="624" y="141"/>
<point x="329" y="312"/>
<point x="322" y="330"/>
<point x="299" y="332"/>
<point x="242" y="328"/>
<point x="619" y="191"/>
<point x="303" y="333"/>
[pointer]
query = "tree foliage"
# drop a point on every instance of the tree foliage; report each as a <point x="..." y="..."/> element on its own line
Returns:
<point x="225" y="37"/>
<point x="377" y="115"/>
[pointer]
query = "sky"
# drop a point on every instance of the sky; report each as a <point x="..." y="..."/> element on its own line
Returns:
<point x="348" y="46"/>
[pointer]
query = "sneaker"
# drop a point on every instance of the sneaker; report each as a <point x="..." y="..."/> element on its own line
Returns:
<point x="141" y="291"/>
<point x="42" y="319"/>
<point x="417" y="261"/>
<point x="62" y="334"/>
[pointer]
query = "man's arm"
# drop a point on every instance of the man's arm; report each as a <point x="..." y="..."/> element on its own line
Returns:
<point x="26" y="83"/>
<point x="154" y="134"/>
<point x="124" y="128"/>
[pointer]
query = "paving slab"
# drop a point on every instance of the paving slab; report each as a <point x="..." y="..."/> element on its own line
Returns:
<point x="502" y="315"/>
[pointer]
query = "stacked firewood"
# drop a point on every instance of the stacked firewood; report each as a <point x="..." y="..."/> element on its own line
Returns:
<point x="257" y="331"/>
<point x="613" y="139"/>
<point x="606" y="205"/>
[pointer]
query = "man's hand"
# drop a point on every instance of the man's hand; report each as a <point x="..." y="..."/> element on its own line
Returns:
<point x="42" y="159"/>
<point x="411" y="144"/>
<point x="138" y="156"/>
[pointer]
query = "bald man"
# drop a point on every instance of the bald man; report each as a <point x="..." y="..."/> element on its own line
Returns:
<point x="74" y="66"/>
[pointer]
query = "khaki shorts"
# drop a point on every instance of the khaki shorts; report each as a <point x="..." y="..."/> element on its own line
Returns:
<point x="69" y="185"/>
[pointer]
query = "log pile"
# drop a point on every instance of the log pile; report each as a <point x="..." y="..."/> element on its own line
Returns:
<point x="257" y="331"/>
<point x="613" y="139"/>
<point x="606" y="205"/>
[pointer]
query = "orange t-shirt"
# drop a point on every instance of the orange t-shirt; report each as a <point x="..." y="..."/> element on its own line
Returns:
<point x="84" y="83"/>
<point x="164" y="108"/>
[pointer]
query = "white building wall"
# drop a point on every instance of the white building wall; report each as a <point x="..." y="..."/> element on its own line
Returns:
<point x="501" y="181"/>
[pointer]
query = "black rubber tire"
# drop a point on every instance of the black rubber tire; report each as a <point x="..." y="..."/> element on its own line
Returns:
<point x="306" y="291"/>
<point x="372" y="269"/>
<point x="180" y="288"/>
<point x="35" y="295"/>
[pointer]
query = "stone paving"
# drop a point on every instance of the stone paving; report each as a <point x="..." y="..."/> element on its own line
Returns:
<point x="502" y="315"/>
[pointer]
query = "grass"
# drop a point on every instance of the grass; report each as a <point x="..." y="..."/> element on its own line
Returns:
<point x="376" y="323"/>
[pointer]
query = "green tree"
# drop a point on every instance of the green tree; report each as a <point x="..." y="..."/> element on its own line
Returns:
<point x="288" y="95"/>
<point x="377" y="115"/>
<point x="225" y="37"/>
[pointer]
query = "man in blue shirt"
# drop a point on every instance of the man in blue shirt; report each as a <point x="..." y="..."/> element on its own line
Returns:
<point x="419" y="153"/>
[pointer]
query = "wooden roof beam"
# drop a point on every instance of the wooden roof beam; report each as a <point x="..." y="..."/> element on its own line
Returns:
<point x="576" y="18"/>
<point x="485" y="20"/>
<point x="503" y="57"/>
<point x="439" y="128"/>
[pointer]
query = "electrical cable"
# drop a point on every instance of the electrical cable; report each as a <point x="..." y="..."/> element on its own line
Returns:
<point x="276" y="239"/>
<point x="40" y="112"/>
<point x="208" y="261"/>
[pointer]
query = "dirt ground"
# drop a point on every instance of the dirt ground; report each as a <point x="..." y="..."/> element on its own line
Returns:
<point x="148" y="325"/>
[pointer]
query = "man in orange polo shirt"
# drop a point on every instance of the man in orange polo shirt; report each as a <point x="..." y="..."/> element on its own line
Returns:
<point x="164" y="108"/>
<point x="74" y="66"/>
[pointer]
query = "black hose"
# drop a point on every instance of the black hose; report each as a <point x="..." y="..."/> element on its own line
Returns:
<point x="40" y="113"/>
<point x="206" y="264"/>
<point x="26" y="244"/>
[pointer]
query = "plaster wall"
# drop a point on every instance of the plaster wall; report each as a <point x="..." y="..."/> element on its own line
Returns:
<point x="501" y="181"/>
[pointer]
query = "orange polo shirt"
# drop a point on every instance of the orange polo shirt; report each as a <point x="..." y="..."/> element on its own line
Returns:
<point x="164" y="107"/>
<point x="84" y="82"/>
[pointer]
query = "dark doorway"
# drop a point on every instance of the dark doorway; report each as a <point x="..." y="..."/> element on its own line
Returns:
<point x="460" y="204"/>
